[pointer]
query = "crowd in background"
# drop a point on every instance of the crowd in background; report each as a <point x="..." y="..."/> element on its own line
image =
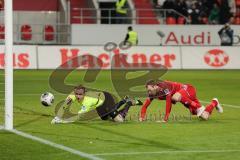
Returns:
<point x="1" y="4"/>
<point x="201" y="11"/>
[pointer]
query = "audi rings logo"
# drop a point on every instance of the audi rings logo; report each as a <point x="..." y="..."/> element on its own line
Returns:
<point x="216" y="58"/>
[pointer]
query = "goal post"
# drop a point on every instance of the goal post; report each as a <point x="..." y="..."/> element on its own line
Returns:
<point x="8" y="19"/>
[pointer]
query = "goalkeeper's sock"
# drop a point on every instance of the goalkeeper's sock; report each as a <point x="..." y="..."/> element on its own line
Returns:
<point x="119" y="104"/>
<point x="211" y="106"/>
<point x="115" y="112"/>
<point x="124" y="111"/>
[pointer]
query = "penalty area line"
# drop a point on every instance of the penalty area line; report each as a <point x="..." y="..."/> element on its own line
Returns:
<point x="226" y="105"/>
<point x="166" y="152"/>
<point x="55" y="145"/>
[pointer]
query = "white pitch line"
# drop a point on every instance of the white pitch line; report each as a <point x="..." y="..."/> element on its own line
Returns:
<point x="55" y="145"/>
<point x="166" y="152"/>
<point x="227" y="105"/>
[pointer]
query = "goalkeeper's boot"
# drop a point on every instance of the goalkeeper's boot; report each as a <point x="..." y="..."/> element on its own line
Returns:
<point x="127" y="98"/>
<point x="56" y="120"/>
<point x="138" y="101"/>
<point x="135" y="101"/>
<point x="218" y="107"/>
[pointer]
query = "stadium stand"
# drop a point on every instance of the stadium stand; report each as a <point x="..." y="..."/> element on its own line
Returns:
<point x="144" y="9"/>
<point x="52" y="23"/>
<point x="39" y="22"/>
<point x="82" y="12"/>
<point x="237" y="20"/>
<point x="202" y="11"/>
<point x="2" y="30"/>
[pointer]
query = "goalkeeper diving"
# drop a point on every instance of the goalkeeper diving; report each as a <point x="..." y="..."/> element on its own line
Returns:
<point x="103" y="105"/>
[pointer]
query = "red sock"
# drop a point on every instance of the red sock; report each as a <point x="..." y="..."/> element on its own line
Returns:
<point x="211" y="106"/>
<point x="188" y="101"/>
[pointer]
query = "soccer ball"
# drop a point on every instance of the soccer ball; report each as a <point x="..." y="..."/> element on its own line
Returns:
<point x="47" y="99"/>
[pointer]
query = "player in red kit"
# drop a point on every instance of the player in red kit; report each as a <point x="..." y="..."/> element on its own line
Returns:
<point x="174" y="92"/>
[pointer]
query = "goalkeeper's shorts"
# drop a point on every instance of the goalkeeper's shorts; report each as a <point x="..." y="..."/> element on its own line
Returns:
<point x="107" y="107"/>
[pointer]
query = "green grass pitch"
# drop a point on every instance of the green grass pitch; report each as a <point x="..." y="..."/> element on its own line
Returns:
<point x="182" y="138"/>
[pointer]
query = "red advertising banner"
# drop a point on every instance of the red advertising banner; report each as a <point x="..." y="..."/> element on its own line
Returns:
<point x="24" y="57"/>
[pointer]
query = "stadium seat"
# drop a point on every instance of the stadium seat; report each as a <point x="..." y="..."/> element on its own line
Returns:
<point x="2" y="30"/>
<point x="237" y="3"/>
<point x="145" y="12"/>
<point x="1" y="5"/>
<point x="237" y="13"/>
<point x="204" y="20"/>
<point x="171" y="20"/>
<point x="237" y="20"/>
<point x="26" y="32"/>
<point x="181" y="20"/>
<point x="48" y="33"/>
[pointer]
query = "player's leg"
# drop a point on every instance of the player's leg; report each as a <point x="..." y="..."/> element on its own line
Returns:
<point x="115" y="113"/>
<point x="196" y="111"/>
<point x="109" y="109"/>
<point x="209" y="108"/>
<point x="187" y="97"/>
<point x="121" y="114"/>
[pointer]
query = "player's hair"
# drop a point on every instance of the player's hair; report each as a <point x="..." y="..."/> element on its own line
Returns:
<point x="151" y="82"/>
<point x="130" y="28"/>
<point x="80" y="87"/>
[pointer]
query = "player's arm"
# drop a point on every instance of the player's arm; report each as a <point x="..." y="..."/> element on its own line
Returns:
<point x="68" y="101"/>
<point x="126" y="39"/>
<point x="168" y="107"/>
<point x="144" y="108"/>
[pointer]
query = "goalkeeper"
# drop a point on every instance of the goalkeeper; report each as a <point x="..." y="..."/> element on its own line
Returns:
<point x="103" y="106"/>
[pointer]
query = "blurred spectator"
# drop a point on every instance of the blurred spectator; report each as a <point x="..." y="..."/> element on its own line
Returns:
<point x="1" y="4"/>
<point x="214" y="15"/>
<point x="169" y="4"/>
<point x="226" y="35"/>
<point x="131" y="37"/>
<point x="158" y="3"/>
<point x="201" y="11"/>
<point x="209" y="5"/>
<point x="232" y="20"/>
<point x="181" y="7"/>
<point x="121" y="11"/>
<point x="224" y="13"/>
<point x="232" y="5"/>
<point x="193" y="14"/>
<point x="189" y="4"/>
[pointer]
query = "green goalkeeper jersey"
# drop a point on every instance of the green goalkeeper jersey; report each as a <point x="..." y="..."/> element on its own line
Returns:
<point x="87" y="104"/>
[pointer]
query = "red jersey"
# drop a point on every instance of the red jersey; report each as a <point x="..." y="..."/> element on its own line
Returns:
<point x="169" y="87"/>
<point x="167" y="90"/>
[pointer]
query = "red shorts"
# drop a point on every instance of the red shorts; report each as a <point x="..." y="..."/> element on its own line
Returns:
<point x="190" y="92"/>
